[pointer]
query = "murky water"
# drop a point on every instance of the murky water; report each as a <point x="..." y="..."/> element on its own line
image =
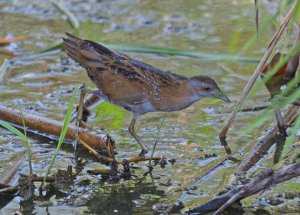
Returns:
<point x="44" y="86"/>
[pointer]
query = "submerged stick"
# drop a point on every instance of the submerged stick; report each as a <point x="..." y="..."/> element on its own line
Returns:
<point x="261" y="181"/>
<point x="257" y="72"/>
<point x="8" y="174"/>
<point x="53" y="127"/>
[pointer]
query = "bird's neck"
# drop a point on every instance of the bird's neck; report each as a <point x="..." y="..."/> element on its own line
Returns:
<point x="186" y="96"/>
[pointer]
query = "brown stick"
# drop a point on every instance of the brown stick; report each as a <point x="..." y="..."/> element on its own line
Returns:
<point x="264" y="143"/>
<point x="261" y="181"/>
<point x="49" y="126"/>
<point x="94" y="152"/>
<point x="258" y="70"/>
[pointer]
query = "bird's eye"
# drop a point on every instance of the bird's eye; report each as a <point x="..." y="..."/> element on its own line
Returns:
<point x="206" y="88"/>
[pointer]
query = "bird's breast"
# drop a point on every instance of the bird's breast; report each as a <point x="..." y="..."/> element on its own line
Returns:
<point x="174" y="100"/>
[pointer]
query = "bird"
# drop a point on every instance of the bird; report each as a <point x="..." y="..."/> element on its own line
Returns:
<point x="136" y="86"/>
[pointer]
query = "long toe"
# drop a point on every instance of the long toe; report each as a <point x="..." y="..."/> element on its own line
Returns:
<point x="143" y="153"/>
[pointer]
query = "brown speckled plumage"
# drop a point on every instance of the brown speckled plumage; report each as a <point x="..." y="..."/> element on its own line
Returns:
<point x="137" y="86"/>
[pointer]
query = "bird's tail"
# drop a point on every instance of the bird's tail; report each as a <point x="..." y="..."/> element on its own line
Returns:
<point x="72" y="46"/>
<point x="85" y="52"/>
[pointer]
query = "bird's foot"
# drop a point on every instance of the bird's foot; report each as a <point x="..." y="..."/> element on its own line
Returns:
<point x="143" y="153"/>
<point x="281" y="128"/>
<point x="282" y="133"/>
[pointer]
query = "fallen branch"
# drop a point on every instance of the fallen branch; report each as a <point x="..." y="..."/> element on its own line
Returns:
<point x="53" y="127"/>
<point x="261" y="181"/>
<point x="264" y="143"/>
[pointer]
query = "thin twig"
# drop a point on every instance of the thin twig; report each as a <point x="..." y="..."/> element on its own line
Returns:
<point x="10" y="189"/>
<point x="94" y="152"/>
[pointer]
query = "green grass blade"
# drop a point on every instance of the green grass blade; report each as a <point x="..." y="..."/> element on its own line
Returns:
<point x="170" y="51"/>
<point x="292" y="137"/>
<point x="12" y="129"/>
<point x="267" y="115"/>
<point x="71" y="17"/>
<point x="26" y="142"/>
<point x="22" y="136"/>
<point x="62" y="134"/>
<point x="180" y="52"/>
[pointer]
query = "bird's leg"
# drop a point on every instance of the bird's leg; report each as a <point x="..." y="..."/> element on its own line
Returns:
<point x="81" y="113"/>
<point x="279" y="119"/>
<point x="280" y="123"/>
<point x="133" y="134"/>
<point x="93" y="100"/>
<point x="281" y="137"/>
<point x="78" y="117"/>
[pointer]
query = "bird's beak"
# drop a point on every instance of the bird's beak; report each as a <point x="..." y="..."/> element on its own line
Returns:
<point x="222" y="96"/>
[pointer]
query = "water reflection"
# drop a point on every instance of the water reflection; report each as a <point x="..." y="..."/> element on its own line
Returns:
<point x="124" y="199"/>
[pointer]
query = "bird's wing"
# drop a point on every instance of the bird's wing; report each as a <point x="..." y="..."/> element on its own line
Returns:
<point x="93" y="55"/>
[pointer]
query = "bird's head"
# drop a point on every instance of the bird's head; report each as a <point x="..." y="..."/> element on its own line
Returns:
<point x="204" y="86"/>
